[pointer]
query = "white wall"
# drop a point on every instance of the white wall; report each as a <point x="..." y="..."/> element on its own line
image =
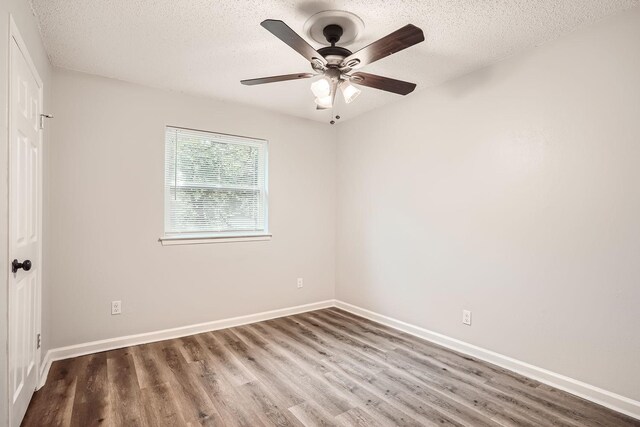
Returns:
<point x="513" y="192"/>
<point x="26" y="23"/>
<point x="107" y="175"/>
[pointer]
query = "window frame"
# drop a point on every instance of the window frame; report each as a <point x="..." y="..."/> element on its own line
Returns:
<point x="186" y="237"/>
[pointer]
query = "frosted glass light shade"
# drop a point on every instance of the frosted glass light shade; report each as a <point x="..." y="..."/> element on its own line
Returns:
<point x="321" y="88"/>
<point x="349" y="91"/>
<point x="324" y="102"/>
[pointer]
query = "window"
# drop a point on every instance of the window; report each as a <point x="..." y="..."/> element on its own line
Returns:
<point x="215" y="185"/>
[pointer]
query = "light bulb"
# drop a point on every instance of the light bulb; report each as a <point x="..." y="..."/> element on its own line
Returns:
<point x="321" y="88"/>
<point x="349" y="91"/>
<point x="324" y="101"/>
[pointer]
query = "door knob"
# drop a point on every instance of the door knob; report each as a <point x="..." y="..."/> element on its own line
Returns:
<point x="15" y="265"/>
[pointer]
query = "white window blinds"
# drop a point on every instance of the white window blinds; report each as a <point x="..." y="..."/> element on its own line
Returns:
<point x="215" y="184"/>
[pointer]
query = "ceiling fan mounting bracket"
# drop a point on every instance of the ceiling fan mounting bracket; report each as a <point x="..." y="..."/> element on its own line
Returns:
<point x="350" y="24"/>
<point x="332" y="33"/>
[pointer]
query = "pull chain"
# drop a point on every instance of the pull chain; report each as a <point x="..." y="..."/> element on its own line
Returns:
<point x="334" y="118"/>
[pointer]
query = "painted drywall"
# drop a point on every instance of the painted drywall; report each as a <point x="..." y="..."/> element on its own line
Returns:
<point x="107" y="177"/>
<point x="27" y="25"/>
<point x="511" y="192"/>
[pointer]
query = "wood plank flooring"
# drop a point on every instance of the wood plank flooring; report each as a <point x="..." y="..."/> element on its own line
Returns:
<point x="326" y="367"/>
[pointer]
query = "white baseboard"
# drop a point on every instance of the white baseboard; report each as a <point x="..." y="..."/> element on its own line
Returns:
<point x="166" y="334"/>
<point x="595" y="394"/>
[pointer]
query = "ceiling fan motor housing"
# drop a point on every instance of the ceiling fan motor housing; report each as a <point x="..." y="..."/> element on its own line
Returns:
<point x="334" y="54"/>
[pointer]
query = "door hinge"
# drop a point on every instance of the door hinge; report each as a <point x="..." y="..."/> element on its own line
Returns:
<point x="38" y="341"/>
<point x="44" y="116"/>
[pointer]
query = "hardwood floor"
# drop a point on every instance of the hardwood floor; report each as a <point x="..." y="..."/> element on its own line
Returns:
<point x="326" y="367"/>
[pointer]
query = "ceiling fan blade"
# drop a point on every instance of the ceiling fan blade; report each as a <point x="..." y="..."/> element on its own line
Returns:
<point x="290" y="37"/>
<point x="383" y="83"/>
<point x="274" y="79"/>
<point x="400" y="39"/>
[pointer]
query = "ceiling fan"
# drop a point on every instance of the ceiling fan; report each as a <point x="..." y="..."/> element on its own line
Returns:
<point x="337" y="64"/>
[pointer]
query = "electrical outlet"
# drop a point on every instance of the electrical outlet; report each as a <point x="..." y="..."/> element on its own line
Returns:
<point x="466" y="317"/>
<point x="300" y="282"/>
<point x="116" y="307"/>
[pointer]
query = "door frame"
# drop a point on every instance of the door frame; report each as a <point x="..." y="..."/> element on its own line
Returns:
<point x="15" y="36"/>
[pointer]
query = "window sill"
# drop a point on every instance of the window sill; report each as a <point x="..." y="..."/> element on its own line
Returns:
<point x="192" y="240"/>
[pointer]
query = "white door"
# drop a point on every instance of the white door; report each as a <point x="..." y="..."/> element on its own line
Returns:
<point x="25" y="166"/>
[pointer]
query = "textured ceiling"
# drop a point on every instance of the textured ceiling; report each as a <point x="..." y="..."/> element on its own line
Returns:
<point x="205" y="47"/>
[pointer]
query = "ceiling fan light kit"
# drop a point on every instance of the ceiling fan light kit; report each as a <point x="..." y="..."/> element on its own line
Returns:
<point x="349" y="91"/>
<point x="321" y="88"/>
<point x="324" y="103"/>
<point x="336" y="64"/>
